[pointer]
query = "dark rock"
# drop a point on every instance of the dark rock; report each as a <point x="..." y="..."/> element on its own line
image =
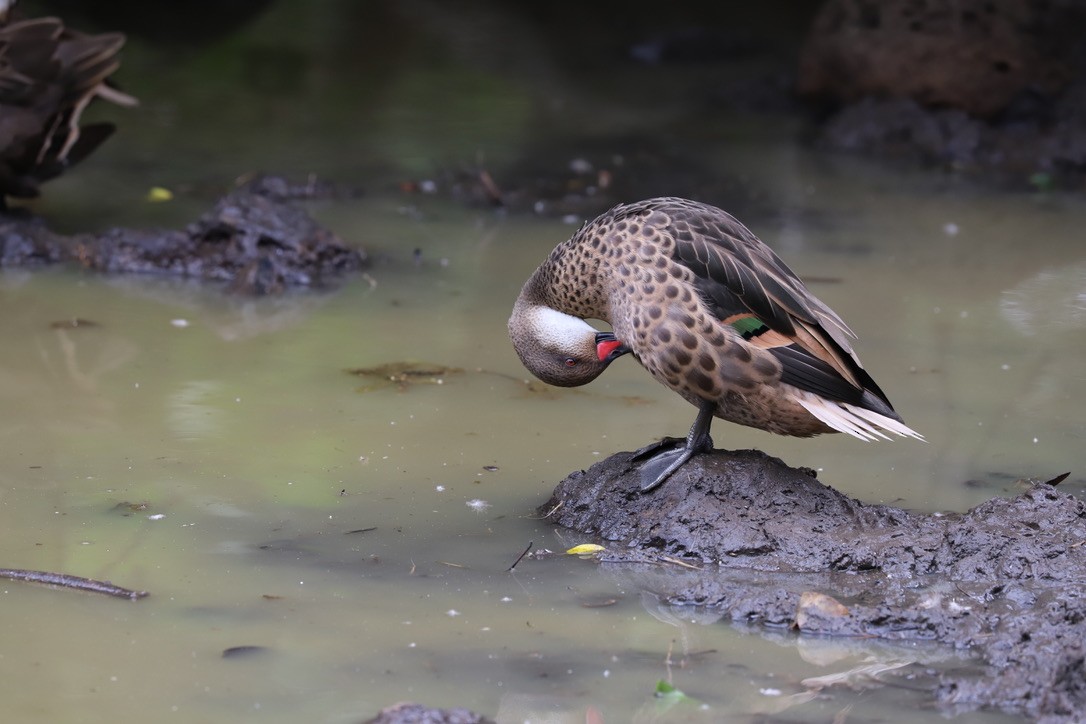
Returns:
<point x="996" y="88"/>
<point x="260" y="244"/>
<point x="25" y="241"/>
<point x="254" y="240"/>
<point x="410" y="713"/>
<point x="901" y="128"/>
<point x="749" y="510"/>
<point x="772" y="546"/>
<point x="973" y="55"/>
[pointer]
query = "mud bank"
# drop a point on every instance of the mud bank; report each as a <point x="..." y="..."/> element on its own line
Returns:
<point x="775" y="547"/>
<point x="254" y="239"/>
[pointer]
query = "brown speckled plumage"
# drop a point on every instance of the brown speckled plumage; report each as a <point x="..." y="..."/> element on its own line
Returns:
<point x="711" y="312"/>
<point x="49" y="74"/>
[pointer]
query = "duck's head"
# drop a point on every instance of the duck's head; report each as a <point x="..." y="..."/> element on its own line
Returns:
<point x="561" y="349"/>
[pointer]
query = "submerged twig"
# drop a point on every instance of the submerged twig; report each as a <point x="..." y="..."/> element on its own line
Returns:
<point x="520" y="557"/>
<point x="677" y="562"/>
<point x="78" y="583"/>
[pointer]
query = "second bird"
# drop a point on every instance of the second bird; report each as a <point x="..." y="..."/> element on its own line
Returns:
<point x="712" y="313"/>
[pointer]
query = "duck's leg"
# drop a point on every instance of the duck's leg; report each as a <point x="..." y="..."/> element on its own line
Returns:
<point x="661" y="463"/>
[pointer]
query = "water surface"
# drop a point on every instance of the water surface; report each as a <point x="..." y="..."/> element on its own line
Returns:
<point x="213" y="450"/>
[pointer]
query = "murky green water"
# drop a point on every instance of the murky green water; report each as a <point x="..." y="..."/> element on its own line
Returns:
<point x="363" y="538"/>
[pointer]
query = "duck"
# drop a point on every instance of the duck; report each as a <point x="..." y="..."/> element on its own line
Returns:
<point x="712" y="313"/>
<point x="49" y="73"/>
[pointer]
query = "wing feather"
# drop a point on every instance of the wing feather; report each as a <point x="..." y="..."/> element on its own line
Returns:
<point x="737" y="274"/>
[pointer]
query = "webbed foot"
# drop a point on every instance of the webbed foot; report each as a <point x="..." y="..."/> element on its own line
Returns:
<point x="664" y="457"/>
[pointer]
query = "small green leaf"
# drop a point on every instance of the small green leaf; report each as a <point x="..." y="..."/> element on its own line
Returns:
<point x="665" y="690"/>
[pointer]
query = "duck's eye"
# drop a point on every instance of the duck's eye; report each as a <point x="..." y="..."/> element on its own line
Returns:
<point x="571" y="362"/>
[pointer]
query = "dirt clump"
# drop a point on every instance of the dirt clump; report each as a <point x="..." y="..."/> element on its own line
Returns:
<point x="773" y="546"/>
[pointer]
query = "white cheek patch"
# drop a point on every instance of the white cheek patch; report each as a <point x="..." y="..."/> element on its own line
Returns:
<point x="558" y="331"/>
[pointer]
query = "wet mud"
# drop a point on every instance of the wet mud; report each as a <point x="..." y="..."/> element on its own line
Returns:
<point x="743" y="535"/>
<point x="411" y="713"/>
<point x="255" y="240"/>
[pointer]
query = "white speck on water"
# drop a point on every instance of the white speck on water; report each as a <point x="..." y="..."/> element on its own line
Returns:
<point x="1004" y="367"/>
<point x="412" y="645"/>
<point x="237" y="399"/>
<point x="179" y="323"/>
<point x="428" y="186"/>
<point x="485" y="628"/>
<point x="137" y="385"/>
<point x="439" y="488"/>
<point x="571" y="219"/>
<point x="452" y="613"/>
<point x="505" y="599"/>
<point x="156" y="516"/>
<point x="1034" y="441"/>
<point x="769" y="692"/>
<point x="950" y="229"/>
<point x="477" y="504"/>
<point x="607" y="673"/>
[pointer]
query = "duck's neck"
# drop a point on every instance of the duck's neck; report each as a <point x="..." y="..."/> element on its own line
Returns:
<point x="560" y="284"/>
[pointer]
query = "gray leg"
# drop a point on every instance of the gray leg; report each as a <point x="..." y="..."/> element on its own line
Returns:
<point x="661" y="463"/>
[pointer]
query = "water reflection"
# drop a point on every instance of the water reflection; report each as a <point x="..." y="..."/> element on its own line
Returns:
<point x="1053" y="301"/>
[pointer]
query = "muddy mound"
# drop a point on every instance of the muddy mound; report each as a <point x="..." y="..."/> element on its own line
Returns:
<point x="771" y="545"/>
<point x="254" y="239"/>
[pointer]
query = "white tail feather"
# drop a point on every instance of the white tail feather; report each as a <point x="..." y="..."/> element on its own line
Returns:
<point x="856" y="421"/>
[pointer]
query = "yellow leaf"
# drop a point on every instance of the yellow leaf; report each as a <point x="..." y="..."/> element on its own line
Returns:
<point x="158" y="194"/>
<point x="585" y="549"/>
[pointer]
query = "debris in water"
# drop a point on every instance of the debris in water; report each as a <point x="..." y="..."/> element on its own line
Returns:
<point x="78" y="583"/>
<point x="478" y="504"/>
<point x="584" y="549"/>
